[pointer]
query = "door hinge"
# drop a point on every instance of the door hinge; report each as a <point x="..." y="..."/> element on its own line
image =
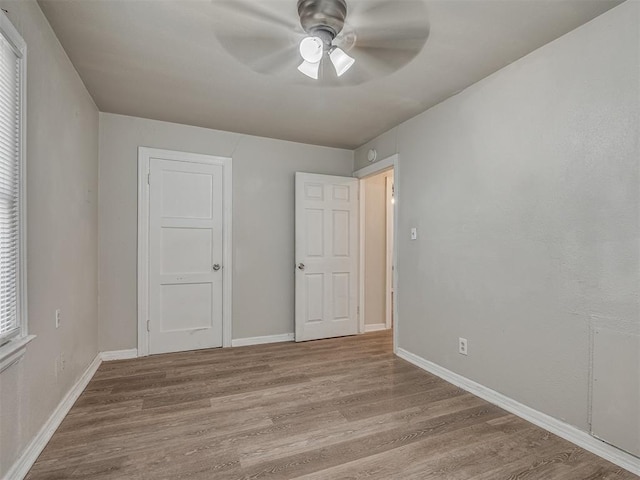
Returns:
<point x="148" y="325"/>
<point x="148" y="179"/>
<point x="358" y="309"/>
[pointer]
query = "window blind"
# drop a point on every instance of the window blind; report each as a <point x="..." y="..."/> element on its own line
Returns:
<point x="9" y="188"/>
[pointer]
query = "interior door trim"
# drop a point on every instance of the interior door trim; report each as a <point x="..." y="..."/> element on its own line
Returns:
<point x="144" y="156"/>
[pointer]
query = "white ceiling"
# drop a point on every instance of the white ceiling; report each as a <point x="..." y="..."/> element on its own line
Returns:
<point x="160" y="59"/>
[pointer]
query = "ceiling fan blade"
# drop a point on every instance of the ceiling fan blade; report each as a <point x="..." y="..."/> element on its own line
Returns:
<point x="271" y="12"/>
<point x="263" y="55"/>
<point x="370" y="63"/>
<point x="400" y="25"/>
<point x="277" y="63"/>
<point x="403" y="38"/>
<point x="382" y="36"/>
<point x="362" y="13"/>
<point x="378" y="62"/>
<point x="259" y="33"/>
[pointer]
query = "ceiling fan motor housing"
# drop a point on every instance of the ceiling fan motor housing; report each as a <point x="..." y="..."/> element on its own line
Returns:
<point x="322" y="18"/>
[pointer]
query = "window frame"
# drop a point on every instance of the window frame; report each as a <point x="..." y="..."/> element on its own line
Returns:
<point x="14" y="346"/>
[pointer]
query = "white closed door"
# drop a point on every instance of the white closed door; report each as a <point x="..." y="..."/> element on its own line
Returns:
<point x="326" y="225"/>
<point x="185" y="256"/>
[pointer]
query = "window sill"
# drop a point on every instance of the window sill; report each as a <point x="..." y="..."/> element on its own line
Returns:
<point x="12" y="352"/>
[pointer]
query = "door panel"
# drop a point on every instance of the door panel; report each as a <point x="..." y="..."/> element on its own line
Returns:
<point x="340" y="298"/>
<point x="185" y="307"/>
<point x="314" y="234"/>
<point x="315" y="297"/>
<point x="326" y="256"/>
<point x="186" y="250"/>
<point x="186" y="194"/>
<point x="185" y="241"/>
<point x="340" y="237"/>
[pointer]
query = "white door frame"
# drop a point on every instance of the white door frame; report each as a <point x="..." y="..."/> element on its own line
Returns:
<point x="389" y="222"/>
<point x="389" y="163"/>
<point x="144" y="156"/>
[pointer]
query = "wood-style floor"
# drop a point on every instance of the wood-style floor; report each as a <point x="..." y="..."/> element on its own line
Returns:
<point x="331" y="409"/>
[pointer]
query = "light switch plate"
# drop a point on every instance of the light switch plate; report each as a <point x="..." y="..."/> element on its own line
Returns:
<point x="414" y="233"/>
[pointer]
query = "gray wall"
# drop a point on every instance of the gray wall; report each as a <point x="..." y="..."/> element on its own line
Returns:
<point x="62" y="229"/>
<point x="525" y="192"/>
<point x="385" y="146"/>
<point x="375" y="246"/>
<point x="263" y="202"/>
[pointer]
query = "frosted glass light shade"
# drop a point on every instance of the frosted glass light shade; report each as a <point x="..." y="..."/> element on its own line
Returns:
<point x="341" y="61"/>
<point x="311" y="49"/>
<point x="310" y="69"/>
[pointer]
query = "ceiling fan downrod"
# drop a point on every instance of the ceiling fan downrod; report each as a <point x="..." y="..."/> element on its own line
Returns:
<point x="322" y="16"/>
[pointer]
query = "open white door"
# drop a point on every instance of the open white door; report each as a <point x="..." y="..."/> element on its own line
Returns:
<point x="326" y="256"/>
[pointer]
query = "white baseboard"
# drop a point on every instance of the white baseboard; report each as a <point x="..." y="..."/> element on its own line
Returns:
<point x="119" y="354"/>
<point x="553" y="425"/>
<point x="30" y="454"/>
<point x="375" y="327"/>
<point x="243" y="342"/>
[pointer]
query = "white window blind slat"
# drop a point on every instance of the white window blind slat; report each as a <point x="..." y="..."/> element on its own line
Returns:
<point x="9" y="188"/>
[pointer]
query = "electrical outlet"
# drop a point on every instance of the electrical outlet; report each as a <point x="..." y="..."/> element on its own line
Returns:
<point x="63" y="363"/>
<point x="462" y="346"/>
<point x="58" y="318"/>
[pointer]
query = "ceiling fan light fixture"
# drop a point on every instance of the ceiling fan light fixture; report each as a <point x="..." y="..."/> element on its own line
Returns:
<point x="341" y="61"/>
<point x="310" y="69"/>
<point x="311" y="49"/>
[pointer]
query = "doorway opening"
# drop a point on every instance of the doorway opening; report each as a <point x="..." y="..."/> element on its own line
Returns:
<point x="377" y="251"/>
<point x="345" y="251"/>
<point x="378" y="292"/>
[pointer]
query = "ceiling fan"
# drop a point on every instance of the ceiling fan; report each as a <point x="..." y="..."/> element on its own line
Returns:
<point x="339" y="42"/>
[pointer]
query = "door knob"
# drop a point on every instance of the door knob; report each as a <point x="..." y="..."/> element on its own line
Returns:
<point x="301" y="266"/>
<point x="216" y="267"/>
